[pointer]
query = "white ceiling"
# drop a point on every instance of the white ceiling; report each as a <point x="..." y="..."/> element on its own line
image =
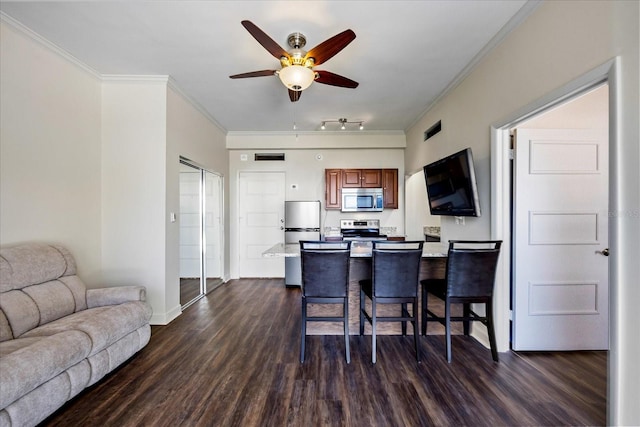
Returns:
<point x="405" y="54"/>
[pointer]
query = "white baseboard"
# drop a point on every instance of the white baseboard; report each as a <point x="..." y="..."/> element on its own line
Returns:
<point x="166" y="318"/>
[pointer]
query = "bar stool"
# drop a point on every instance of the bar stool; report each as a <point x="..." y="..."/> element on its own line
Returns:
<point x="394" y="279"/>
<point x="325" y="280"/>
<point x="470" y="276"/>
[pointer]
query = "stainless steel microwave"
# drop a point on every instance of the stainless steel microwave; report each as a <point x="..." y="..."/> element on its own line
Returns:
<point x="362" y="200"/>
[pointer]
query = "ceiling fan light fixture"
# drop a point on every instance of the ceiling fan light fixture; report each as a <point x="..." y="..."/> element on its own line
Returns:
<point x="296" y="77"/>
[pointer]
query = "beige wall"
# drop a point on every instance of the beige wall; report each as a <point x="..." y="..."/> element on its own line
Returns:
<point x="50" y="183"/>
<point x="133" y="181"/>
<point x="559" y="42"/>
<point x="588" y="111"/>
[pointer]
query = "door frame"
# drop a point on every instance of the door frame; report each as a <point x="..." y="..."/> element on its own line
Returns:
<point x="501" y="188"/>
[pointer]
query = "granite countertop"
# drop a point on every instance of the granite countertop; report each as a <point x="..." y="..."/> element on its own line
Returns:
<point x="358" y="250"/>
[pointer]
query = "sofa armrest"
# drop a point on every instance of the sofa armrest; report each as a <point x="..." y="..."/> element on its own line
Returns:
<point x="117" y="295"/>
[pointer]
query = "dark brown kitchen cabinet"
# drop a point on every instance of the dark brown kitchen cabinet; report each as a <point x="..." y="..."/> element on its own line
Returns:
<point x="361" y="178"/>
<point x="333" y="185"/>
<point x="337" y="179"/>
<point x="390" y="188"/>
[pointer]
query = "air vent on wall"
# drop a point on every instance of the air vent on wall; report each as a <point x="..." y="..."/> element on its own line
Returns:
<point x="433" y="130"/>
<point x="268" y="156"/>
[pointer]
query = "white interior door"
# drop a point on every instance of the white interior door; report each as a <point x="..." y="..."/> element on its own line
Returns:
<point x="561" y="288"/>
<point x="261" y="222"/>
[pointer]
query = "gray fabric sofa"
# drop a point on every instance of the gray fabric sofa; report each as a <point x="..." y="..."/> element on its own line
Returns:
<point x="56" y="336"/>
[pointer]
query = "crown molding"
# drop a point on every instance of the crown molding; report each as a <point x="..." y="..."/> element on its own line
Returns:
<point x="529" y="7"/>
<point x="135" y="78"/>
<point x="29" y="33"/>
<point x="173" y="85"/>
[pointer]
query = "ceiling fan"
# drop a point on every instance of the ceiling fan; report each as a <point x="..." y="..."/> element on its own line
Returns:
<point x="297" y="71"/>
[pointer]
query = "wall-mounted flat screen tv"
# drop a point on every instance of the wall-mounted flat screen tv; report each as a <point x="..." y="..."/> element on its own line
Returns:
<point x="451" y="185"/>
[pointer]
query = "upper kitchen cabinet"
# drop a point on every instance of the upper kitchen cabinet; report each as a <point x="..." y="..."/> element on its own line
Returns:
<point x="333" y="185"/>
<point x="390" y="188"/>
<point x="361" y="178"/>
<point x="337" y="179"/>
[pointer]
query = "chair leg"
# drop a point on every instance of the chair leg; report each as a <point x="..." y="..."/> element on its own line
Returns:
<point x="373" y="330"/>
<point x="415" y="328"/>
<point x="403" y="309"/>
<point x="447" y="326"/>
<point x="346" y="330"/>
<point x="466" y="313"/>
<point x="361" y="313"/>
<point x="424" y="311"/>
<point x="491" y="331"/>
<point x="304" y="329"/>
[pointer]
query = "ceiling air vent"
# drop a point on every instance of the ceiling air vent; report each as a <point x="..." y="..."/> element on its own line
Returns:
<point x="433" y="130"/>
<point x="269" y="157"/>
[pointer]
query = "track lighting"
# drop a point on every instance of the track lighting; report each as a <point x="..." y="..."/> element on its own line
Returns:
<point x="343" y="123"/>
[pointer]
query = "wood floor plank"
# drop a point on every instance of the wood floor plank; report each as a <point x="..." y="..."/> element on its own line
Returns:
<point x="232" y="359"/>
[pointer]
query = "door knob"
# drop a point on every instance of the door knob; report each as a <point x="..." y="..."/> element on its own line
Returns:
<point x="604" y="252"/>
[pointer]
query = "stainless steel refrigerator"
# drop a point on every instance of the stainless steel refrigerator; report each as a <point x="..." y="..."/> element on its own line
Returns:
<point x="301" y="222"/>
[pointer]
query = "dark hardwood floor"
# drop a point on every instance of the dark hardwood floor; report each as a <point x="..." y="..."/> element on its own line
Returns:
<point x="231" y="359"/>
<point x="190" y="288"/>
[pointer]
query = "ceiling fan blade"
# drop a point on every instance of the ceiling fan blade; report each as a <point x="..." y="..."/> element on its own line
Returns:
<point x="294" y="95"/>
<point x="329" y="48"/>
<point x="329" y="78"/>
<point x="267" y="42"/>
<point x="261" y="73"/>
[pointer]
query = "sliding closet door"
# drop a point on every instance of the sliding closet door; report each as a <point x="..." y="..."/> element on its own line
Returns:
<point x="190" y="220"/>
<point x="201" y="239"/>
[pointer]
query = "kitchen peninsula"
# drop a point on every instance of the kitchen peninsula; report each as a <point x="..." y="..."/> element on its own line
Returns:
<point x="433" y="265"/>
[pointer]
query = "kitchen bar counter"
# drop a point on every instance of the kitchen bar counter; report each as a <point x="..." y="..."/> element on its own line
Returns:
<point x="433" y="265"/>
<point x="358" y="250"/>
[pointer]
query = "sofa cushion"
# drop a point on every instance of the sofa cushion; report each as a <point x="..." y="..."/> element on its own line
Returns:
<point x="5" y="329"/>
<point x="28" y="367"/>
<point x="8" y="347"/>
<point x="78" y="289"/>
<point x="54" y="300"/>
<point x="104" y="325"/>
<point x="33" y="263"/>
<point x="21" y="311"/>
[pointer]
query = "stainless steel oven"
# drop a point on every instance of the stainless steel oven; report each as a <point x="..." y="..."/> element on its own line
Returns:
<point x="362" y="230"/>
<point x="362" y="200"/>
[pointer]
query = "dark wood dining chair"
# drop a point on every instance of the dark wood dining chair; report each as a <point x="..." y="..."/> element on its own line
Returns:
<point x="469" y="279"/>
<point x="394" y="280"/>
<point x="325" y="280"/>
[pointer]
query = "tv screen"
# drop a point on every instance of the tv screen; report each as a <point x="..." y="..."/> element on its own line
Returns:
<point x="451" y="185"/>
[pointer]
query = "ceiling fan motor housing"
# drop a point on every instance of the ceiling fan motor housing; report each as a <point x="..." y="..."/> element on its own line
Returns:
<point x="296" y="40"/>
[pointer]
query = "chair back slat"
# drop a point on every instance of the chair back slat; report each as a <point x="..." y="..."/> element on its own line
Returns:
<point x="325" y="268"/>
<point x="396" y="268"/>
<point x="471" y="271"/>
